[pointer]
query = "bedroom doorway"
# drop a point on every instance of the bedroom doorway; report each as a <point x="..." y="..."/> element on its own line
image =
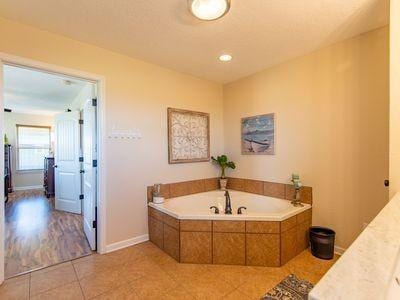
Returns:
<point x="51" y="125"/>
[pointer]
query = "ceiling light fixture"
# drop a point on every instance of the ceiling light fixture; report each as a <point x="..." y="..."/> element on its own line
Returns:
<point x="225" y="57"/>
<point x="209" y="10"/>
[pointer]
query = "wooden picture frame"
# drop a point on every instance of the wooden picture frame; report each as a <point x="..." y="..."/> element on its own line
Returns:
<point x="188" y="136"/>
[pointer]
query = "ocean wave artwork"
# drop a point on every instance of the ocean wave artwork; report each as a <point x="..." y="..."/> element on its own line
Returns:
<point x="258" y="134"/>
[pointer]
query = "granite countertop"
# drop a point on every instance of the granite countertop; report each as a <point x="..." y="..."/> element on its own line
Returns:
<point x="369" y="267"/>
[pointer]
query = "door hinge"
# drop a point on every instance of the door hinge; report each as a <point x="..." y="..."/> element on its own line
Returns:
<point x="81" y="122"/>
<point x="82" y="171"/>
<point x="94" y="224"/>
<point x="94" y="102"/>
<point x="81" y="159"/>
<point x="94" y="163"/>
<point x="81" y="197"/>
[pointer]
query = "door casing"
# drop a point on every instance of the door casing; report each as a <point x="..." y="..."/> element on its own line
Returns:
<point x="8" y="59"/>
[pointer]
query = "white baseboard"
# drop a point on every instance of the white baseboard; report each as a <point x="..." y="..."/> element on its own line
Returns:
<point x="339" y="250"/>
<point x="25" y="188"/>
<point x="126" y="243"/>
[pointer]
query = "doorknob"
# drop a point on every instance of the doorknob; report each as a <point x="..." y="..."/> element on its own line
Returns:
<point x="55" y="166"/>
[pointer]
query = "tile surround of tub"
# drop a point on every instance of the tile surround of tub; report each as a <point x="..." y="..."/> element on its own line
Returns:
<point x="230" y="242"/>
<point x="271" y="189"/>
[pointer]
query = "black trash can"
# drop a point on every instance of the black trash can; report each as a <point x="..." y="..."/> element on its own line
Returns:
<point x="322" y="242"/>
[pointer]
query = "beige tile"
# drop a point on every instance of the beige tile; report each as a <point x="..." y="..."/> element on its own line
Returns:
<point x="234" y="275"/>
<point x="171" y="241"/>
<point x="258" y="285"/>
<point x="16" y="288"/>
<point x="124" y="255"/>
<point x="273" y="189"/>
<point x="162" y="259"/>
<point x="195" y="247"/>
<point x="179" y="189"/>
<point x="288" y="245"/>
<point x="263" y="249"/>
<point x="229" y="226"/>
<point x="102" y="282"/>
<point x="184" y="272"/>
<point x="92" y="265"/>
<point x="171" y="221"/>
<point x="304" y="216"/>
<point x="148" y="248"/>
<point x="310" y="264"/>
<point x="164" y="192"/>
<point x="235" y="184"/>
<point x="52" y="268"/>
<point x="236" y="295"/>
<point x="153" y="287"/>
<point x="125" y="291"/>
<point x="229" y="248"/>
<point x="136" y="269"/>
<point x="156" y="232"/>
<point x="178" y="293"/>
<point x="192" y="225"/>
<point x="54" y="278"/>
<point x="196" y="186"/>
<point x="208" y="286"/>
<point x="288" y="223"/>
<point x="71" y="291"/>
<point x="211" y="184"/>
<point x="254" y="186"/>
<point x="262" y="227"/>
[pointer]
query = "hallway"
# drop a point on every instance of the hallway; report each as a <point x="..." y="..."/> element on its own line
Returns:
<point x="37" y="235"/>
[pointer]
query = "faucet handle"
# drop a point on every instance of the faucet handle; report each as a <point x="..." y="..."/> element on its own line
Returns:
<point x="216" y="211"/>
<point x="239" y="211"/>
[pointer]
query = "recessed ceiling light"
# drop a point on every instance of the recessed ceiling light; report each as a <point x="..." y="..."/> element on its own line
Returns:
<point x="209" y="9"/>
<point x="225" y="57"/>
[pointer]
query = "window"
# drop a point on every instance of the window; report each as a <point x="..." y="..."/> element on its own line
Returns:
<point x="33" y="144"/>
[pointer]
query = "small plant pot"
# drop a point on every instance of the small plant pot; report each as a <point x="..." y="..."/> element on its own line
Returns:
<point x="222" y="183"/>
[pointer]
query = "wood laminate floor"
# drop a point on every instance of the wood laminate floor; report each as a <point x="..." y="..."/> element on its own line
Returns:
<point x="37" y="235"/>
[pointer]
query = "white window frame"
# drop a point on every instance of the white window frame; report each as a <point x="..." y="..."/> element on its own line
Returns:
<point x="17" y="148"/>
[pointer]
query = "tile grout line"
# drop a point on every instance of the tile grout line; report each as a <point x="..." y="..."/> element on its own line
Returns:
<point x="79" y="282"/>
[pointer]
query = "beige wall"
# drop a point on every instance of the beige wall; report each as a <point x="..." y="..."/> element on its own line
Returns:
<point x="394" y="97"/>
<point x="23" y="179"/>
<point x="137" y="96"/>
<point x="332" y="111"/>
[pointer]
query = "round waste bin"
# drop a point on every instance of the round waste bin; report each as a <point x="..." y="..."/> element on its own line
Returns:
<point x="322" y="242"/>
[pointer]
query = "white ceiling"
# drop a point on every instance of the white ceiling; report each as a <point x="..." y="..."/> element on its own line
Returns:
<point x="258" y="33"/>
<point x="35" y="92"/>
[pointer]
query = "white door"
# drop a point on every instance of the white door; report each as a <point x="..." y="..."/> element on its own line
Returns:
<point x="67" y="165"/>
<point x="89" y="174"/>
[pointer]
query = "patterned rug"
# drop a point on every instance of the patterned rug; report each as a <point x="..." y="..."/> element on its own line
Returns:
<point x="290" y="288"/>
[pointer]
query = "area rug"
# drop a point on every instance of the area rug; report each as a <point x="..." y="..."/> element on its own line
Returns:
<point x="290" y="288"/>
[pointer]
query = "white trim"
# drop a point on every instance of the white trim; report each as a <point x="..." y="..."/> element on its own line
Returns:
<point x="101" y="139"/>
<point x="126" y="243"/>
<point x="25" y="188"/>
<point x="339" y="250"/>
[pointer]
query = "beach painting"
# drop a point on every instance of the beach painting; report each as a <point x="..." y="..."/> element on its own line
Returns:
<point x="258" y="134"/>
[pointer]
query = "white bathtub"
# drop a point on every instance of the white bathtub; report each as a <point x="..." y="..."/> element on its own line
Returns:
<point x="259" y="208"/>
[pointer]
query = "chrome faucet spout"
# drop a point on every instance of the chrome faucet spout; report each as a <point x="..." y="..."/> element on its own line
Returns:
<point x="228" y="207"/>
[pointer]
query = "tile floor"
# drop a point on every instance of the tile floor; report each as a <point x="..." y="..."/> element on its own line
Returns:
<point x="145" y="272"/>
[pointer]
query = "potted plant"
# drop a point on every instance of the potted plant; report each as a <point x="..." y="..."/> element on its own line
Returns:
<point x="223" y="162"/>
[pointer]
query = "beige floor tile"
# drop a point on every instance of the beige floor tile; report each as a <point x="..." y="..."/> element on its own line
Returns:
<point x="185" y="272"/>
<point x="71" y="291"/>
<point x="51" y="268"/>
<point x="178" y="293"/>
<point x="208" y="286"/>
<point x="125" y="255"/>
<point x="237" y="295"/>
<point x="258" y="285"/>
<point x="308" y="263"/>
<point x="16" y="288"/>
<point x="148" y="248"/>
<point x="125" y="292"/>
<point x="104" y="281"/>
<point x="92" y="265"/>
<point x="44" y="281"/>
<point x="133" y="270"/>
<point x="234" y="275"/>
<point x="162" y="259"/>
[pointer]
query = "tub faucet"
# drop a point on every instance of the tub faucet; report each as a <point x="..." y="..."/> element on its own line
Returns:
<point x="228" y="208"/>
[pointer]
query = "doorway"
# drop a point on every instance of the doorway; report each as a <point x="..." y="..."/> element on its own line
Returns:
<point x="50" y="166"/>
